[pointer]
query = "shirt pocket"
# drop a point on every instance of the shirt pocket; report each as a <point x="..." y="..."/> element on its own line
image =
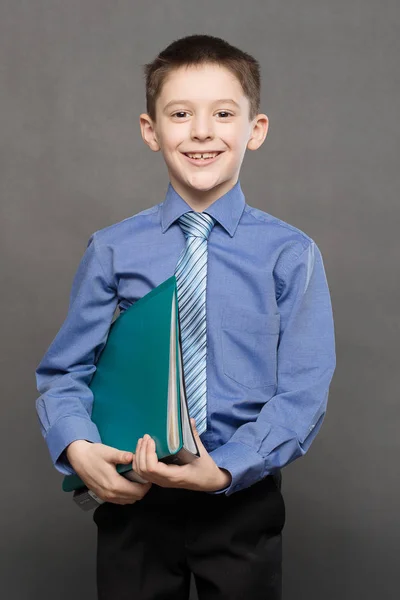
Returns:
<point x="249" y="346"/>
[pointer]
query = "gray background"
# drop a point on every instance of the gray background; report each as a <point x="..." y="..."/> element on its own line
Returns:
<point x="73" y="161"/>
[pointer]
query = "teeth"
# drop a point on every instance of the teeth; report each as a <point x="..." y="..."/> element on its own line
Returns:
<point x="205" y="155"/>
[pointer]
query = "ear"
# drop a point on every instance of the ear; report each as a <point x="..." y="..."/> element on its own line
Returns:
<point x="259" y="132"/>
<point x="148" y="132"/>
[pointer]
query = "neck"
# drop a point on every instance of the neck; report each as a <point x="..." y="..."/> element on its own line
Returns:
<point x="199" y="200"/>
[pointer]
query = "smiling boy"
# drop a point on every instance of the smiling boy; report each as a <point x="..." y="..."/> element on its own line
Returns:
<point x="259" y="350"/>
<point x="202" y="108"/>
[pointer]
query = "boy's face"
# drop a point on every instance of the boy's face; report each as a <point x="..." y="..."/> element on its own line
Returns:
<point x="198" y="121"/>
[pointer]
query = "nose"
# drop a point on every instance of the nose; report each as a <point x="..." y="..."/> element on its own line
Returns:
<point x="202" y="128"/>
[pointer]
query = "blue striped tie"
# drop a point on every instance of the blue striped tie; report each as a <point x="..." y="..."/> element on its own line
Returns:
<point x="191" y="278"/>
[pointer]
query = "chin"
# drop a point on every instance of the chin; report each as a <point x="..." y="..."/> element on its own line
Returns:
<point x="206" y="185"/>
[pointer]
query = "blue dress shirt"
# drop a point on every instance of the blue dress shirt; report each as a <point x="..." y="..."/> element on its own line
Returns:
<point x="270" y="332"/>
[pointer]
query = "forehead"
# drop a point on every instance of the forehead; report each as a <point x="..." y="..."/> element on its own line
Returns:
<point x="201" y="83"/>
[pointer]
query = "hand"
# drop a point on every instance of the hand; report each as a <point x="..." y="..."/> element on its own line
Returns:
<point x="202" y="474"/>
<point x="96" y="465"/>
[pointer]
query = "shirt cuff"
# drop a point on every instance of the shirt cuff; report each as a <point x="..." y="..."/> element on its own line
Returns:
<point x="244" y="464"/>
<point x="66" y="430"/>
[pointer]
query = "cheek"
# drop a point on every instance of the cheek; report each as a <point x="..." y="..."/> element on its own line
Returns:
<point x="169" y="145"/>
<point x="171" y="136"/>
<point x="234" y="138"/>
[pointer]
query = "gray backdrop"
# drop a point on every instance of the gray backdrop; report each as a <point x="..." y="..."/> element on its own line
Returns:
<point x="73" y="161"/>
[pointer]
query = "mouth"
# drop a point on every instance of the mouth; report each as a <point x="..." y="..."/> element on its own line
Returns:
<point x="200" y="162"/>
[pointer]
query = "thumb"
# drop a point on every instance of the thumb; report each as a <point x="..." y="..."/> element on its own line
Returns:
<point x="196" y="435"/>
<point x="120" y="456"/>
<point x="194" y="428"/>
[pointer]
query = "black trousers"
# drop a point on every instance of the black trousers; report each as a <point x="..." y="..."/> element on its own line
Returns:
<point x="231" y="544"/>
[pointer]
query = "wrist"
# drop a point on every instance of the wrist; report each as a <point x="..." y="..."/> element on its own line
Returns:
<point x="225" y="479"/>
<point x="75" y="448"/>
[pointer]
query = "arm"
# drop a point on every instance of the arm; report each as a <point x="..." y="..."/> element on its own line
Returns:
<point x="64" y="373"/>
<point x="290" y="420"/>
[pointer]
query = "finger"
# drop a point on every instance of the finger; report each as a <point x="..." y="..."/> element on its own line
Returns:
<point x="143" y="464"/>
<point x="140" y="459"/>
<point x="196" y="435"/>
<point x="151" y="458"/>
<point x="129" y="489"/>
<point x="119" y="488"/>
<point x="137" y="456"/>
<point x="152" y="469"/>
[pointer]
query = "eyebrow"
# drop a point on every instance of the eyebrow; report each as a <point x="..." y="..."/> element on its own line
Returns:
<point x="220" y="101"/>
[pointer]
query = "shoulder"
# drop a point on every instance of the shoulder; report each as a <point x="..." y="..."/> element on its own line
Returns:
<point x="287" y="246"/>
<point x="135" y="227"/>
<point x="282" y="234"/>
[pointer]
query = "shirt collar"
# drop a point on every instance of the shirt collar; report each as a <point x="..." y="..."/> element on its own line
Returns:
<point x="227" y="210"/>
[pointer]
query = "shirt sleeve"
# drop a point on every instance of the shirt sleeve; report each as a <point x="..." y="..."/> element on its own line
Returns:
<point x="290" y="420"/>
<point x="64" y="373"/>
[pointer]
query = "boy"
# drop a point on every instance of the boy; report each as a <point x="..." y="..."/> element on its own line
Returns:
<point x="259" y="392"/>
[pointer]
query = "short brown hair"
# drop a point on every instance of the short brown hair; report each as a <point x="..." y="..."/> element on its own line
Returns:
<point x="203" y="49"/>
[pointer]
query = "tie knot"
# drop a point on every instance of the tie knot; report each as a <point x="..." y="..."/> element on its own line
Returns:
<point x="196" y="224"/>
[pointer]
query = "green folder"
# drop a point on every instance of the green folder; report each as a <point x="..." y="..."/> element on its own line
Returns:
<point x="138" y="386"/>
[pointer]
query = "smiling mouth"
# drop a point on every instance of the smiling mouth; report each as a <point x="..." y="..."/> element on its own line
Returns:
<point x="202" y="161"/>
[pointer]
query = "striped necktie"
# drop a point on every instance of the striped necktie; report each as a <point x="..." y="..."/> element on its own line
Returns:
<point x="191" y="278"/>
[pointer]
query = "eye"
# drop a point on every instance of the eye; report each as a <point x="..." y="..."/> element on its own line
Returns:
<point x="221" y="112"/>
<point x="181" y="112"/>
